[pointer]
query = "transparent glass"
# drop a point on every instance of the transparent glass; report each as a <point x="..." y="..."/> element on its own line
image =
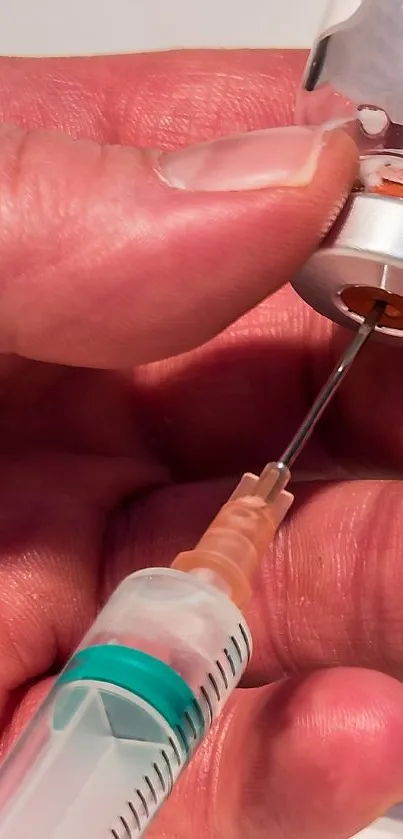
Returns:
<point x="354" y="78"/>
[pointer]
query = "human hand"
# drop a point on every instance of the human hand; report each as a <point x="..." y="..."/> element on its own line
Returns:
<point x="105" y="266"/>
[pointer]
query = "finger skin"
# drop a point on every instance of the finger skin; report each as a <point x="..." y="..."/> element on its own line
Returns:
<point x="153" y="252"/>
<point x="104" y="265"/>
<point x="313" y="759"/>
<point x="158" y="100"/>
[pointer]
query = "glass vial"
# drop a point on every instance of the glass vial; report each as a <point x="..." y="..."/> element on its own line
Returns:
<point x="354" y="78"/>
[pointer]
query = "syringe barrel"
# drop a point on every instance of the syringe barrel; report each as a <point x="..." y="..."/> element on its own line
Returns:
<point x="186" y="623"/>
<point x="127" y="713"/>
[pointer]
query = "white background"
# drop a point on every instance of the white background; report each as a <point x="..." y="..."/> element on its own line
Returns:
<point x="86" y="26"/>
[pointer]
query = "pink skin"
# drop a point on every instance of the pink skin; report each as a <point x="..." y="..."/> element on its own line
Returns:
<point x="103" y="473"/>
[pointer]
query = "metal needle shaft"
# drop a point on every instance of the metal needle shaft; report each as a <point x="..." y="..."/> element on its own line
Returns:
<point x="334" y="381"/>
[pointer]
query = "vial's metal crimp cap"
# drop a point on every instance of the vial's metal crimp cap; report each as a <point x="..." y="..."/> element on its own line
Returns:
<point x="359" y="263"/>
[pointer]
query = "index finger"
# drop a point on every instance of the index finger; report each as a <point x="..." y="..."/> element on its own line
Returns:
<point x="163" y="100"/>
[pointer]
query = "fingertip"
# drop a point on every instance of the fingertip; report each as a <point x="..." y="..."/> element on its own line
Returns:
<point x="318" y="757"/>
<point x="335" y="745"/>
<point x="337" y="171"/>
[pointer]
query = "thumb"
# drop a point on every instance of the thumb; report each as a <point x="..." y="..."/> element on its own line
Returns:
<point x="112" y="256"/>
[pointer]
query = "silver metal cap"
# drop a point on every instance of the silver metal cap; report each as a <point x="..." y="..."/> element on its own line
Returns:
<point x="360" y="262"/>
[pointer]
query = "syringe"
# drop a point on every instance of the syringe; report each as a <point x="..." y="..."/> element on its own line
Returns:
<point x="154" y="671"/>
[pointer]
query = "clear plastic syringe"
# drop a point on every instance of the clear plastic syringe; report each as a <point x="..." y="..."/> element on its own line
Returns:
<point x="143" y="689"/>
<point x="129" y="710"/>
